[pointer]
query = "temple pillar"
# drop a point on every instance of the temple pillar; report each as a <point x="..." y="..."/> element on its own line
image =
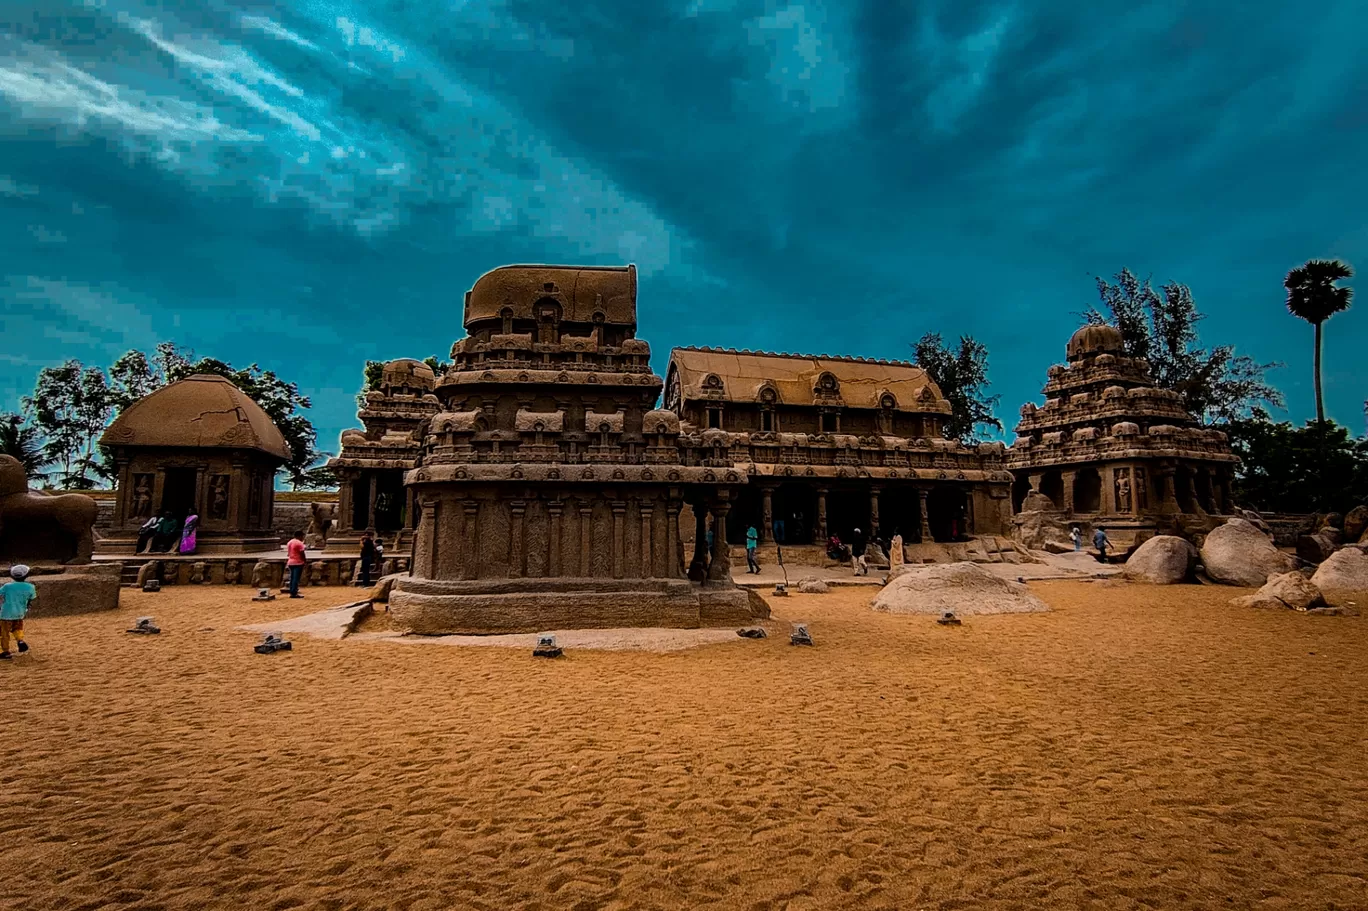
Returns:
<point x="201" y="492"/>
<point x="1068" y="478"/>
<point x="671" y="538"/>
<point x="719" y="570"/>
<point x="1168" y="498"/>
<point x="1107" y="506"/>
<point x="819" y="527"/>
<point x="470" y="540"/>
<point x="1035" y="479"/>
<point x="699" y="566"/>
<point x="873" y="512"/>
<point x="344" y="503"/>
<point x="586" y="512"/>
<point x="924" y="514"/>
<point x="123" y="502"/>
<point x="553" y="559"/>
<point x="647" y="514"/>
<point x="517" y="557"/>
<point x="373" y="490"/>
<point x="619" y="538"/>
<point x="767" y="515"/>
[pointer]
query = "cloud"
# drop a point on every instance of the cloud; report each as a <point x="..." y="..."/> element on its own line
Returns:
<point x="105" y="319"/>
<point x="276" y="30"/>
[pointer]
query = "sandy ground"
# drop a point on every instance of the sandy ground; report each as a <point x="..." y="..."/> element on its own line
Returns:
<point x="1137" y="747"/>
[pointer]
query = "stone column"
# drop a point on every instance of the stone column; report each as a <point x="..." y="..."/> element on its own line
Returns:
<point x="819" y="527"/>
<point x="470" y="537"/>
<point x="767" y="515"/>
<point x="410" y="512"/>
<point x="699" y="566"/>
<point x="647" y="513"/>
<point x="344" y="503"/>
<point x="427" y="542"/>
<point x="1107" y="506"/>
<point x="123" y="502"/>
<point x="517" y="558"/>
<point x="238" y="496"/>
<point x="553" y="561"/>
<point x="922" y="495"/>
<point x="199" y="492"/>
<point x="619" y="538"/>
<point x="1068" y="478"/>
<point x="586" y="511"/>
<point x="374" y="489"/>
<point x="873" y="512"/>
<point x="720" y="568"/>
<point x="1035" y="478"/>
<point x="1166" y="478"/>
<point x="671" y="538"/>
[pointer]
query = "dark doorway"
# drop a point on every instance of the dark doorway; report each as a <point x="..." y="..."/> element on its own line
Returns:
<point x="947" y="512"/>
<point x="178" y="492"/>
<point x="794" y="510"/>
<point x="389" y="501"/>
<point x="1052" y="485"/>
<point x="1204" y="490"/>
<point x="1087" y="492"/>
<point x="361" y="503"/>
<point x="900" y="513"/>
<point x="848" y="510"/>
<point x="1182" y="488"/>
<point x="1020" y="487"/>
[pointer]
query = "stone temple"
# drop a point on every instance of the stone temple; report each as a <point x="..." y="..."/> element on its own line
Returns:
<point x="1108" y="448"/>
<point x="550" y="486"/>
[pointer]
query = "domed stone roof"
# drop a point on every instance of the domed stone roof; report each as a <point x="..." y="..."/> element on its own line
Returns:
<point x="199" y="411"/>
<point x="1092" y="340"/>
<point x="408" y="372"/>
<point x="579" y="291"/>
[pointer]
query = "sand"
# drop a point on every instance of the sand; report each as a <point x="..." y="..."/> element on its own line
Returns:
<point x="1136" y="747"/>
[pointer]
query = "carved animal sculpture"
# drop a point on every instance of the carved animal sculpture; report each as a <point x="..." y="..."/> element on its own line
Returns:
<point x="148" y="571"/>
<point x="232" y="573"/>
<point x="261" y="574"/>
<point x="36" y="528"/>
<point x="197" y="573"/>
<point x="320" y="523"/>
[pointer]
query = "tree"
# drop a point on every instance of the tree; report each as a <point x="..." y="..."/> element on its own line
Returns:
<point x="371" y="375"/>
<point x="131" y="377"/>
<point x="1217" y="385"/>
<point x="71" y="406"/>
<point x="21" y="440"/>
<point x="1315" y="468"/>
<point x="1312" y="295"/>
<point x="962" y="376"/>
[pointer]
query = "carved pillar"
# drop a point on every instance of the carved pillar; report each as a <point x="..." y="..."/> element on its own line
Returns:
<point x="1068" y="478"/>
<point x="1165" y="477"/>
<point x="410" y="512"/>
<point x="1035" y="478"/>
<point x="344" y="503"/>
<point x="819" y="528"/>
<point x="873" y="512"/>
<point x="619" y="539"/>
<point x="517" y="557"/>
<point x="158" y="491"/>
<point x="426" y="541"/>
<point x="925" y="515"/>
<point x="767" y="515"/>
<point x="586" y="511"/>
<point x="123" y="502"/>
<point x="699" y="566"/>
<point x="201" y="492"/>
<point x="237" y="497"/>
<point x="1107" y="506"/>
<point x="720" y="568"/>
<point x="553" y="560"/>
<point x="373" y="490"/>
<point x="647" y="512"/>
<point x="672" y="538"/>
<point x="470" y="540"/>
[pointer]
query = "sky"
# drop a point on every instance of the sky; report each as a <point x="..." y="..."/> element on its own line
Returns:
<point x="307" y="185"/>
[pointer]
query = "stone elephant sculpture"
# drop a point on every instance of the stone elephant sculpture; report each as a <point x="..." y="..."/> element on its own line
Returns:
<point x="41" y="528"/>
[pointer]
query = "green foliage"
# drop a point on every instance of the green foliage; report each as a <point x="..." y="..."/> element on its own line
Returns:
<point x="371" y="376"/>
<point x="438" y="366"/>
<point x="22" y="440"/>
<point x="1217" y="384"/>
<point x="130" y="378"/>
<point x="1315" y="468"/>
<point x="71" y="405"/>
<point x="1312" y="295"/>
<point x="962" y="375"/>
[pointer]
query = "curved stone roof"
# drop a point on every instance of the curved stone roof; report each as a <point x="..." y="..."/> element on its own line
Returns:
<point x="200" y="411"/>
<point x="1092" y="340"/>
<point x="406" y="371"/>
<point x="860" y="382"/>
<point x="580" y="290"/>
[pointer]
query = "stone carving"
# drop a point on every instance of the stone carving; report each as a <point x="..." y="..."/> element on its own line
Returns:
<point x="232" y="572"/>
<point x="320" y="523"/>
<point x="316" y="572"/>
<point x="40" y="529"/>
<point x="197" y="572"/>
<point x="261" y="575"/>
<point x="142" y="496"/>
<point x="1123" y="492"/>
<point x="151" y="570"/>
<point x="218" y="497"/>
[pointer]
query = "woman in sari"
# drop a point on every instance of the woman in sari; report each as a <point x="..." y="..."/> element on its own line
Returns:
<point x="187" y="542"/>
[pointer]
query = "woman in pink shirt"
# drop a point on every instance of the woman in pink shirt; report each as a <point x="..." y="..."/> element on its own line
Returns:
<point x="295" y="561"/>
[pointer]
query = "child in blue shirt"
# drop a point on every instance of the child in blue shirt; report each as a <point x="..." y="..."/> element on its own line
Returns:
<point x="15" y="598"/>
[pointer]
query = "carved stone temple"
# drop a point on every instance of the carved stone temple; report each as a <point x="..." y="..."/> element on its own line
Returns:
<point x="550" y="487"/>
<point x="831" y="444"/>
<point x="197" y="446"/>
<point x="372" y="463"/>
<point x="1108" y="448"/>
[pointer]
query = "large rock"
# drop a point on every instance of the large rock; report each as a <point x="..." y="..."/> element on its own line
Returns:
<point x="1238" y="553"/>
<point x="77" y="590"/>
<point x="1345" y="570"/>
<point x="1315" y="548"/>
<point x="1162" y="560"/>
<point x="963" y="588"/>
<point x="813" y="586"/>
<point x="1256" y="520"/>
<point x="1355" y="523"/>
<point x="1284" y="590"/>
<point x="1329" y="520"/>
<point x="1034" y="528"/>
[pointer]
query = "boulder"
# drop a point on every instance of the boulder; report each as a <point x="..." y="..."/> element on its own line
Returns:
<point x="1284" y="590"/>
<point x="964" y="589"/>
<point x="1344" y="570"/>
<point x="1329" y="520"/>
<point x="1315" y="548"/>
<point x="1034" y="528"/>
<point x="1253" y="518"/>
<point x="77" y="590"/>
<point x="813" y="586"/>
<point x="1162" y="560"/>
<point x="1355" y="523"/>
<point x="1238" y="553"/>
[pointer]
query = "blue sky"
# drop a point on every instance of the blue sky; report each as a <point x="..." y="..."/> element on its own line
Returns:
<point x="311" y="184"/>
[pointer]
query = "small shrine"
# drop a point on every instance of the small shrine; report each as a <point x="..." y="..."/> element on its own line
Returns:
<point x="199" y="446"/>
<point x="1109" y="448"/>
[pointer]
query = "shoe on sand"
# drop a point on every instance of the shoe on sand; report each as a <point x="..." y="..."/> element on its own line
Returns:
<point x="23" y="647"/>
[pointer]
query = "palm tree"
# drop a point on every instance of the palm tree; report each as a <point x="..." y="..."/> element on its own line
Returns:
<point x="1313" y="296"/>
<point x="22" y="443"/>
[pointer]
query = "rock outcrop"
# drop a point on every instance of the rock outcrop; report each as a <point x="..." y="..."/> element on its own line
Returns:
<point x="1238" y="553"/>
<point x="813" y="586"/>
<point x="1315" y="548"/>
<point x="1355" y="523"/>
<point x="1284" y="590"/>
<point x="1345" y="570"/>
<point x="964" y="589"/>
<point x="1162" y="560"/>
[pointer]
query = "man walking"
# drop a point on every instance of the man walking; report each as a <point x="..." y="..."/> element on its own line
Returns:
<point x="752" y="539"/>
<point x="1101" y="543"/>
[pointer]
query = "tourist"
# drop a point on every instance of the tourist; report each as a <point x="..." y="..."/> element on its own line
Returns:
<point x="188" y="537"/>
<point x="857" y="554"/>
<point x="295" y="562"/>
<point x="1076" y="535"/>
<point x="145" y="533"/>
<point x="15" y="598"/>
<point x="1101" y="543"/>
<point x="778" y="526"/>
<point x="752" y="539"/>
<point x="367" y="557"/>
<point x="167" y="530"/>
<point x="379" y="556"/>
<point x="836" y="550"/>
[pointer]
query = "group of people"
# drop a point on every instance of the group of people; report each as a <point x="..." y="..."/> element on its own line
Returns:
<point x="167" y="534"/>
<point x="296" y="558"/>
<point x="1100" y="541"/>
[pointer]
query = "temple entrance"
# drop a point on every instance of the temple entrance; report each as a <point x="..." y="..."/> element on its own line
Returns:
<point x="1052" y="485"/>
<point x="1020" y="487"/>
<point x="900" y="513"/>
<point x="389" y="501"/>
<point x="1182" y="490"/>
<point x="361" y="503"/>
<point x="848" y="510"/>
<point x="747" y="511"/>
<point x="1087" y="491"/>
<point x="1203" y="486"/>
<point x="947" y="512"/>
<point x="794" y="511"/>
<point x="178" y="492"/>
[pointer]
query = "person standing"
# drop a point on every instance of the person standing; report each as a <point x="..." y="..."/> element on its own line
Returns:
<point x="294" y="562"/>
<point x="15" y="598"/>
<point x="1101" y="543"/>
<point x="857" y="554"/>
<point x="778" y="526"/>
<point x="752" y="539"/>
<point x="1076" y="535"/>
<point x="367" y="557"/>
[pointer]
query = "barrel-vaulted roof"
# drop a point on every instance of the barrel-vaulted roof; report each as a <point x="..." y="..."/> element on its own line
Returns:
<point x="796" y="379"/>
<point x="199" y="411"/>
<point x="580" y="291"/>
